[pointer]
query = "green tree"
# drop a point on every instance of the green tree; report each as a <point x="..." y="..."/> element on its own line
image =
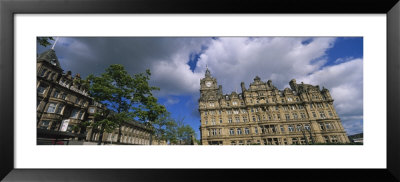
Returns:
<point x="185" y="133"/>
<point x="125" y="97"/>
<point x="44" y="41"/>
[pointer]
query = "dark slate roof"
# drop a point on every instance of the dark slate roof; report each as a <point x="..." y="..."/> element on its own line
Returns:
<point x="50" y="57"/>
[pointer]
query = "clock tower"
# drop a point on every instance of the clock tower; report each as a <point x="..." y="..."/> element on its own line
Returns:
<point x="209" y="90"/>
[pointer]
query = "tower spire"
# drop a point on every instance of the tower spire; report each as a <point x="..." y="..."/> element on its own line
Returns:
<point x="208" y="74"/>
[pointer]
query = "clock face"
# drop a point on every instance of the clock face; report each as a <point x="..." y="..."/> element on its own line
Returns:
<point x="208" y="84"/>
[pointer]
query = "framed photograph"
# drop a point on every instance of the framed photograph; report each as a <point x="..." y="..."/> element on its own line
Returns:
<point x="321" y="81"/>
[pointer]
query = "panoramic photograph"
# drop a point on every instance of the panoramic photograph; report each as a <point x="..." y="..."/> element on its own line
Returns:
<point x="199" y="90"/>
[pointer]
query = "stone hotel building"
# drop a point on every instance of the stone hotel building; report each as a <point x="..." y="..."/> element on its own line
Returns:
<point x="63" y="105"/>
<point x="264" y="115"/>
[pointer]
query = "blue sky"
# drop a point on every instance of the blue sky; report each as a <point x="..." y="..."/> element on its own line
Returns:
<point x="178" y="64"/>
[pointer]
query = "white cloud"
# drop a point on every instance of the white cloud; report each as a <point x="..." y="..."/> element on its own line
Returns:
<point x="171" y="101"/>
<point x="345" y="82"/>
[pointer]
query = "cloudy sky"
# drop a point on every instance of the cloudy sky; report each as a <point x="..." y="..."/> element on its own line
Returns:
<point x="178" y="64"/>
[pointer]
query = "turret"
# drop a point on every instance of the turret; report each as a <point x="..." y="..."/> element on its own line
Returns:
<point x="293" y="84"/>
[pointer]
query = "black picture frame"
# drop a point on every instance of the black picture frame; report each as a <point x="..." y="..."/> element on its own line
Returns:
<point x="8" y="8"/>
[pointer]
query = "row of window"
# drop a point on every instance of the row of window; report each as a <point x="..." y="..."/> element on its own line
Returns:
<point x="271" y="108"/>
<point x="284" y="141"/>
<point x="58" y="108"/>
<point x="125" y="139"/>
<point x="257" y="118"/>
<point x="258" y="101"/>
<point x="272" y="129"/>
<point x="57" y="94"/>
<point x="48" y="74"/>
<point x="44" y="124"/>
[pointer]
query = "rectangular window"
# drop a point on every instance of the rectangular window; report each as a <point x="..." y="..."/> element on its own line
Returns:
<point x="229" y="112"/>
<point x="334" y="139"/>
<point x="307" y="127"/>
<point x="239" y="131"/>
<point x="213" y="121"/>
<point x="303" y="115"/>
<point x="235" y="111"/>
<point x="244" y="119"/>
<point x="328" y="126"/>
<point x="299" y="127"/>
<point x="237" y="119"/>
<point x="295" y="115"/>
<point x="51" y="108"/>
<point x="229" y="120"/>
<point x="44" y="124"/>
<point x="287" y="116"/>
<point x="326" y="138"/>
<point x="254" y="118"/>
<point x="220" y="120"/>
<point x="41" y="89"/>
<point x="55" y="94"/>
<point x="59" y="108"/>
<point x="246" y="131"/>
<point x="256" y="130"/>
<point x="314" y="115"/>
<point x="219" y="112"/>
<point x="231" y="132"/>
<point x="80" y="115"/>
<point x="91" y="110"/>
<point x="74" y="113"/>
<point x="322" y="114"/>
<point x="276" y="108"/>
<point x="301" y="106"/>
<point x="282" y="128"/>
<point x="290" y="128"/>
<point x="330" y="113"/>
<point x="214" y="132"/>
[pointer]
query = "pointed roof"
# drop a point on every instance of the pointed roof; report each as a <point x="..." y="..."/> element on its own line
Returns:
<point x="50" y="57"/>
<point x="208" y="74"/>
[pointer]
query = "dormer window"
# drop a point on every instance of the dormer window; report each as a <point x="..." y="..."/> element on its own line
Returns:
<point x="211" y="104"/>
<point x="53" y="62"/>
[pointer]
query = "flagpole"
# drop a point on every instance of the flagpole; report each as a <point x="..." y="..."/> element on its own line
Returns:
<point x="55" y="42"/>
